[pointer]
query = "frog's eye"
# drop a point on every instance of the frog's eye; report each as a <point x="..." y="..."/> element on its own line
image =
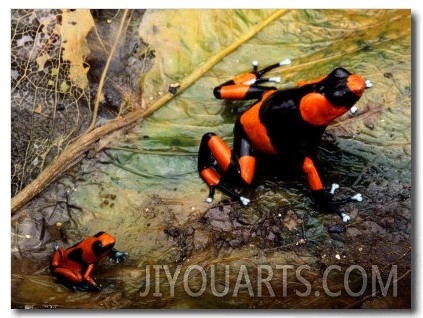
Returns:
<point x="99" y="249"/>
<point x="342" y="96"/>
<point x="340" y="73"/>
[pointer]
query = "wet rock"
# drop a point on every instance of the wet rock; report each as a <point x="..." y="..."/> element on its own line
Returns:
<point x="353" y="231"/>
<point x="201" y="239"/>
<point x="291" y="221"/>
<point x="337" y="228"/>
<point x="373" y="227"/>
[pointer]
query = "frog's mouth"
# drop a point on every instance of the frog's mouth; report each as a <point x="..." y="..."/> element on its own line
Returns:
<point x="109" y="246"/>
<point x="367" y="84"/>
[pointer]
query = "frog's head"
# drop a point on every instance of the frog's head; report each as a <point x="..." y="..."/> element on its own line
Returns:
<point x="103" y="244"/>
<point x="343" y="88"/>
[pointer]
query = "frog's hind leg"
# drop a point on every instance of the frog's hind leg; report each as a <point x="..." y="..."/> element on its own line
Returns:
<point x="216" y="158"/>
<point x="246" y="86"/>
<point x="71" y="279"/>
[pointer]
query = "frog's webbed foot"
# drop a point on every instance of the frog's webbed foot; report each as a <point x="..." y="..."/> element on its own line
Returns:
<point x="116" y="256"/>
<point x="259" y="73"/>
<point x="325" y="202"/>
<point x="83" y="286"/>
<point x="244" y="201"/>
<point x="87" y="287"/>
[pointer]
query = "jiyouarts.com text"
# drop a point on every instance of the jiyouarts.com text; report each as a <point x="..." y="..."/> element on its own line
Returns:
<point x="266" y="281"/>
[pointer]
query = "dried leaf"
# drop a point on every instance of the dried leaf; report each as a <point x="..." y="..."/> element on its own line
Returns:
<point x="183" y="39"/>
<point x="41" y="60"/>
<point x="347" y="126"/>
<point x="38" y="109"/>
<point x="64" y="87"/>
<point x="74" y="29"/>
<point x="371" y="113"/>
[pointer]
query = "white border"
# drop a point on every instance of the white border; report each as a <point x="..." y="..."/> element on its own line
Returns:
<point x="217" y="4"/>
<point x="344" y="4"/>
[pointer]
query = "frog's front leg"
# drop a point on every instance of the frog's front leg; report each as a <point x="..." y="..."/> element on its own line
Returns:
<point x="323" y="199"/>
<point x="117" y="256"/>
<point x="215" y="159"/>
<point x="89" y="280"/>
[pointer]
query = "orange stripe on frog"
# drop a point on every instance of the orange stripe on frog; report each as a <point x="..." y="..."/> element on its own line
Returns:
<point x="247" y="165"/>
<point x="236" y="92"/>
<point x="245" y="78"/>
<point x="255" y="129"/>
<point x="210" y="176"/>
<point x="221" y="152"/>
<point x="356" y="84"/>
<point x="317" y="110"/>
<point x="313" y="177"/>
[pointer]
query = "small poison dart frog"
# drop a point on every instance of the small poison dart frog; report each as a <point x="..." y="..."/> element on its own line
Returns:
<point x="286" y="123"/>
<point x="73" y="266"/>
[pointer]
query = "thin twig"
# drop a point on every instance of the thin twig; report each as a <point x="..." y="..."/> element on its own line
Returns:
<point x="106" y="68"/>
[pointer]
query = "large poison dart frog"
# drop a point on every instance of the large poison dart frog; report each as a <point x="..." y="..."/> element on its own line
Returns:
<point x="73" y="266"/>
<point x="287" y="122"/>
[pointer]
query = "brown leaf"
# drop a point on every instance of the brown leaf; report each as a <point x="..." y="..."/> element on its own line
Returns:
<point x="347" y="126"/>
<point x="74" y="29"/>
<point x="38" y="109"/>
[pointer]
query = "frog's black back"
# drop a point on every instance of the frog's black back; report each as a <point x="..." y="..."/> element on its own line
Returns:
<point x="289" y="133"/>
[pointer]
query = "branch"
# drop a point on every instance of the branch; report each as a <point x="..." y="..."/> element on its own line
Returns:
<point x="106" y="68"/>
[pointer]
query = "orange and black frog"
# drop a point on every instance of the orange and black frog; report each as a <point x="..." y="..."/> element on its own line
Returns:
<point x="286" y="124"/>
<point x="73" y="266"/>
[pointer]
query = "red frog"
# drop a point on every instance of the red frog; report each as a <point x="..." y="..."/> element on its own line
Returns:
<point x="73" y="266"/>
<point x="287" y="124"/>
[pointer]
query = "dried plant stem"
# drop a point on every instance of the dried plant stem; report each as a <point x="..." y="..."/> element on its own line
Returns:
<point x="73" y="153"/>
<point x="106" y="68"/>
